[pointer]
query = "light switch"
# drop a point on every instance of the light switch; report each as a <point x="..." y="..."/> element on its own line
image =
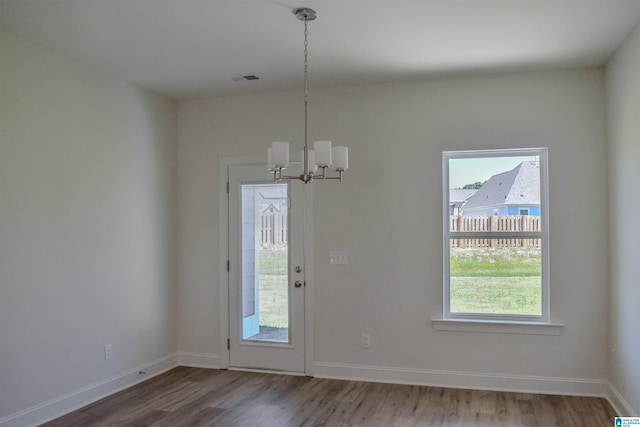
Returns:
<point x="338" y="257"/>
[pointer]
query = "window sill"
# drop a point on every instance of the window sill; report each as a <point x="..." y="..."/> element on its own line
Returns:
<point x="496" y="326"/>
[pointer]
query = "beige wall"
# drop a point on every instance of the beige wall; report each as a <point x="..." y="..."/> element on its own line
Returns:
<point x="387" y="215"/>
<point x="88" y="208"/>
<point x="623" y="88"/>
<point x="87" y="231"/>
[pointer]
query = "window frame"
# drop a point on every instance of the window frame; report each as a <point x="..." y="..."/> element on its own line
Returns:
<point x="543" y="234"/>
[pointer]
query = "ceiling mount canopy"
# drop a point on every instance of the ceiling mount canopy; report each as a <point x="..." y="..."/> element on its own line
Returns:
<point x="305" y="14"/>
<point x="323" y="154"/>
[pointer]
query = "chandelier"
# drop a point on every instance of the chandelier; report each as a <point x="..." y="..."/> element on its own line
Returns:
<point x="323" y="155"/>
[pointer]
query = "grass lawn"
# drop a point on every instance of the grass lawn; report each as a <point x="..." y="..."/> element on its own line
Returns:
<point x="496" y="295"/>
<point x="499" y="280"/>
<point x="274" y="310"/>
<point x="274" y="286"/>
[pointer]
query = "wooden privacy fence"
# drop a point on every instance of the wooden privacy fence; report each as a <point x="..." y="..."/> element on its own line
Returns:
<point x="515" y="223"/>
<point x="273" y="227"/>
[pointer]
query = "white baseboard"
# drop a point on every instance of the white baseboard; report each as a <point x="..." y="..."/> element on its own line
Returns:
<point x="464" y="380"/>
<point x="199" y="360"/>
<point x="620" y="405"/>
<point x="69" y="402"/>
<point x="451" y="379"/>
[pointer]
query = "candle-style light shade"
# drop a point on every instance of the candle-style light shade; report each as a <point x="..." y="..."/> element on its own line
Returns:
<point x="340" y="157"/>
<point x="323" y="152"/>
<point x="311" y="156"/>
<point x="270" y="164"/>
<point x="280" y="154"/>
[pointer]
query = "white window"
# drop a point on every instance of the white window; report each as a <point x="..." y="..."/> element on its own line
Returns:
<point x="496" y="246"/>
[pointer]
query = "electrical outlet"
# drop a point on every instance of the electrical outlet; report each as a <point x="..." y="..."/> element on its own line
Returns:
<point x="365" y="340"/>
<point x="108" y="352"/>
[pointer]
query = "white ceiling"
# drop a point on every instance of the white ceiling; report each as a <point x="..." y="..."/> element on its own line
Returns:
<point x="193" y="48"/>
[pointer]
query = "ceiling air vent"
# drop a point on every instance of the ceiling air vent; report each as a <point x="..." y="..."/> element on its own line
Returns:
<point x="245" y="78"/>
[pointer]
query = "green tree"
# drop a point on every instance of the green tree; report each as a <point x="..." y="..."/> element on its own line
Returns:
<point x="475" y="186"/>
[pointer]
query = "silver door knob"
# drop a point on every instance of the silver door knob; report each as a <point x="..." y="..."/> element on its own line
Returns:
<point x="297" y="284"/>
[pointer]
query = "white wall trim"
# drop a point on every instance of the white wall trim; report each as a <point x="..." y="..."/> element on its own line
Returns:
<point x="496" y="326"/>
<point x="199" y="360"/>
<point x="620" y="405"/>
<point x="72" y="401"/>
<point x="76" y="399"/>
<point x="309" y="310"/>
<point x="464" y="380"/>
<point x="223" y="246"/>
<point x="223" y="225"/>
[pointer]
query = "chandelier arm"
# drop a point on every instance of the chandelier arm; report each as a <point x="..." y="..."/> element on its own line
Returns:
<point x="339" y="177"/>
<point x="308" y="177"/>
<point x="278" y="176"/>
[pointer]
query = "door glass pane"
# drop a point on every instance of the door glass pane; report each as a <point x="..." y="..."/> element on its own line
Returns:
<point x="265" y="267"/>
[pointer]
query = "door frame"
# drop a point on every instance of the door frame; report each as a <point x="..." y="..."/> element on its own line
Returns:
<point x="223" y="278"/>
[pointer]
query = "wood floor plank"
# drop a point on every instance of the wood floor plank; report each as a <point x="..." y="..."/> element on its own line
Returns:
<point x="194" y="397"/>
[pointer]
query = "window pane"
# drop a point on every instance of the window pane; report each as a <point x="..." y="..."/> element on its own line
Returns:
<point x="494" y="186"/>
<point x="496" y="279"/>
<point x="493" y="197"/>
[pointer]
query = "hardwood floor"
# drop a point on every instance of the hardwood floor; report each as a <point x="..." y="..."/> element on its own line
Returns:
<point x="207" y="397"/>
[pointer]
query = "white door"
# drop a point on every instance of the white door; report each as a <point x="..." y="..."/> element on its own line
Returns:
<point x="266" y="271"/>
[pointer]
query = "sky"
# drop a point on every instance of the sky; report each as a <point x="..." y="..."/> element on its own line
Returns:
<point x="468" y="171"/>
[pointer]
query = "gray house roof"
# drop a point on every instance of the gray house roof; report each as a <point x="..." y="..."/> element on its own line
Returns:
<point x="459" y="196"/>
<point x="519" y="186"/>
